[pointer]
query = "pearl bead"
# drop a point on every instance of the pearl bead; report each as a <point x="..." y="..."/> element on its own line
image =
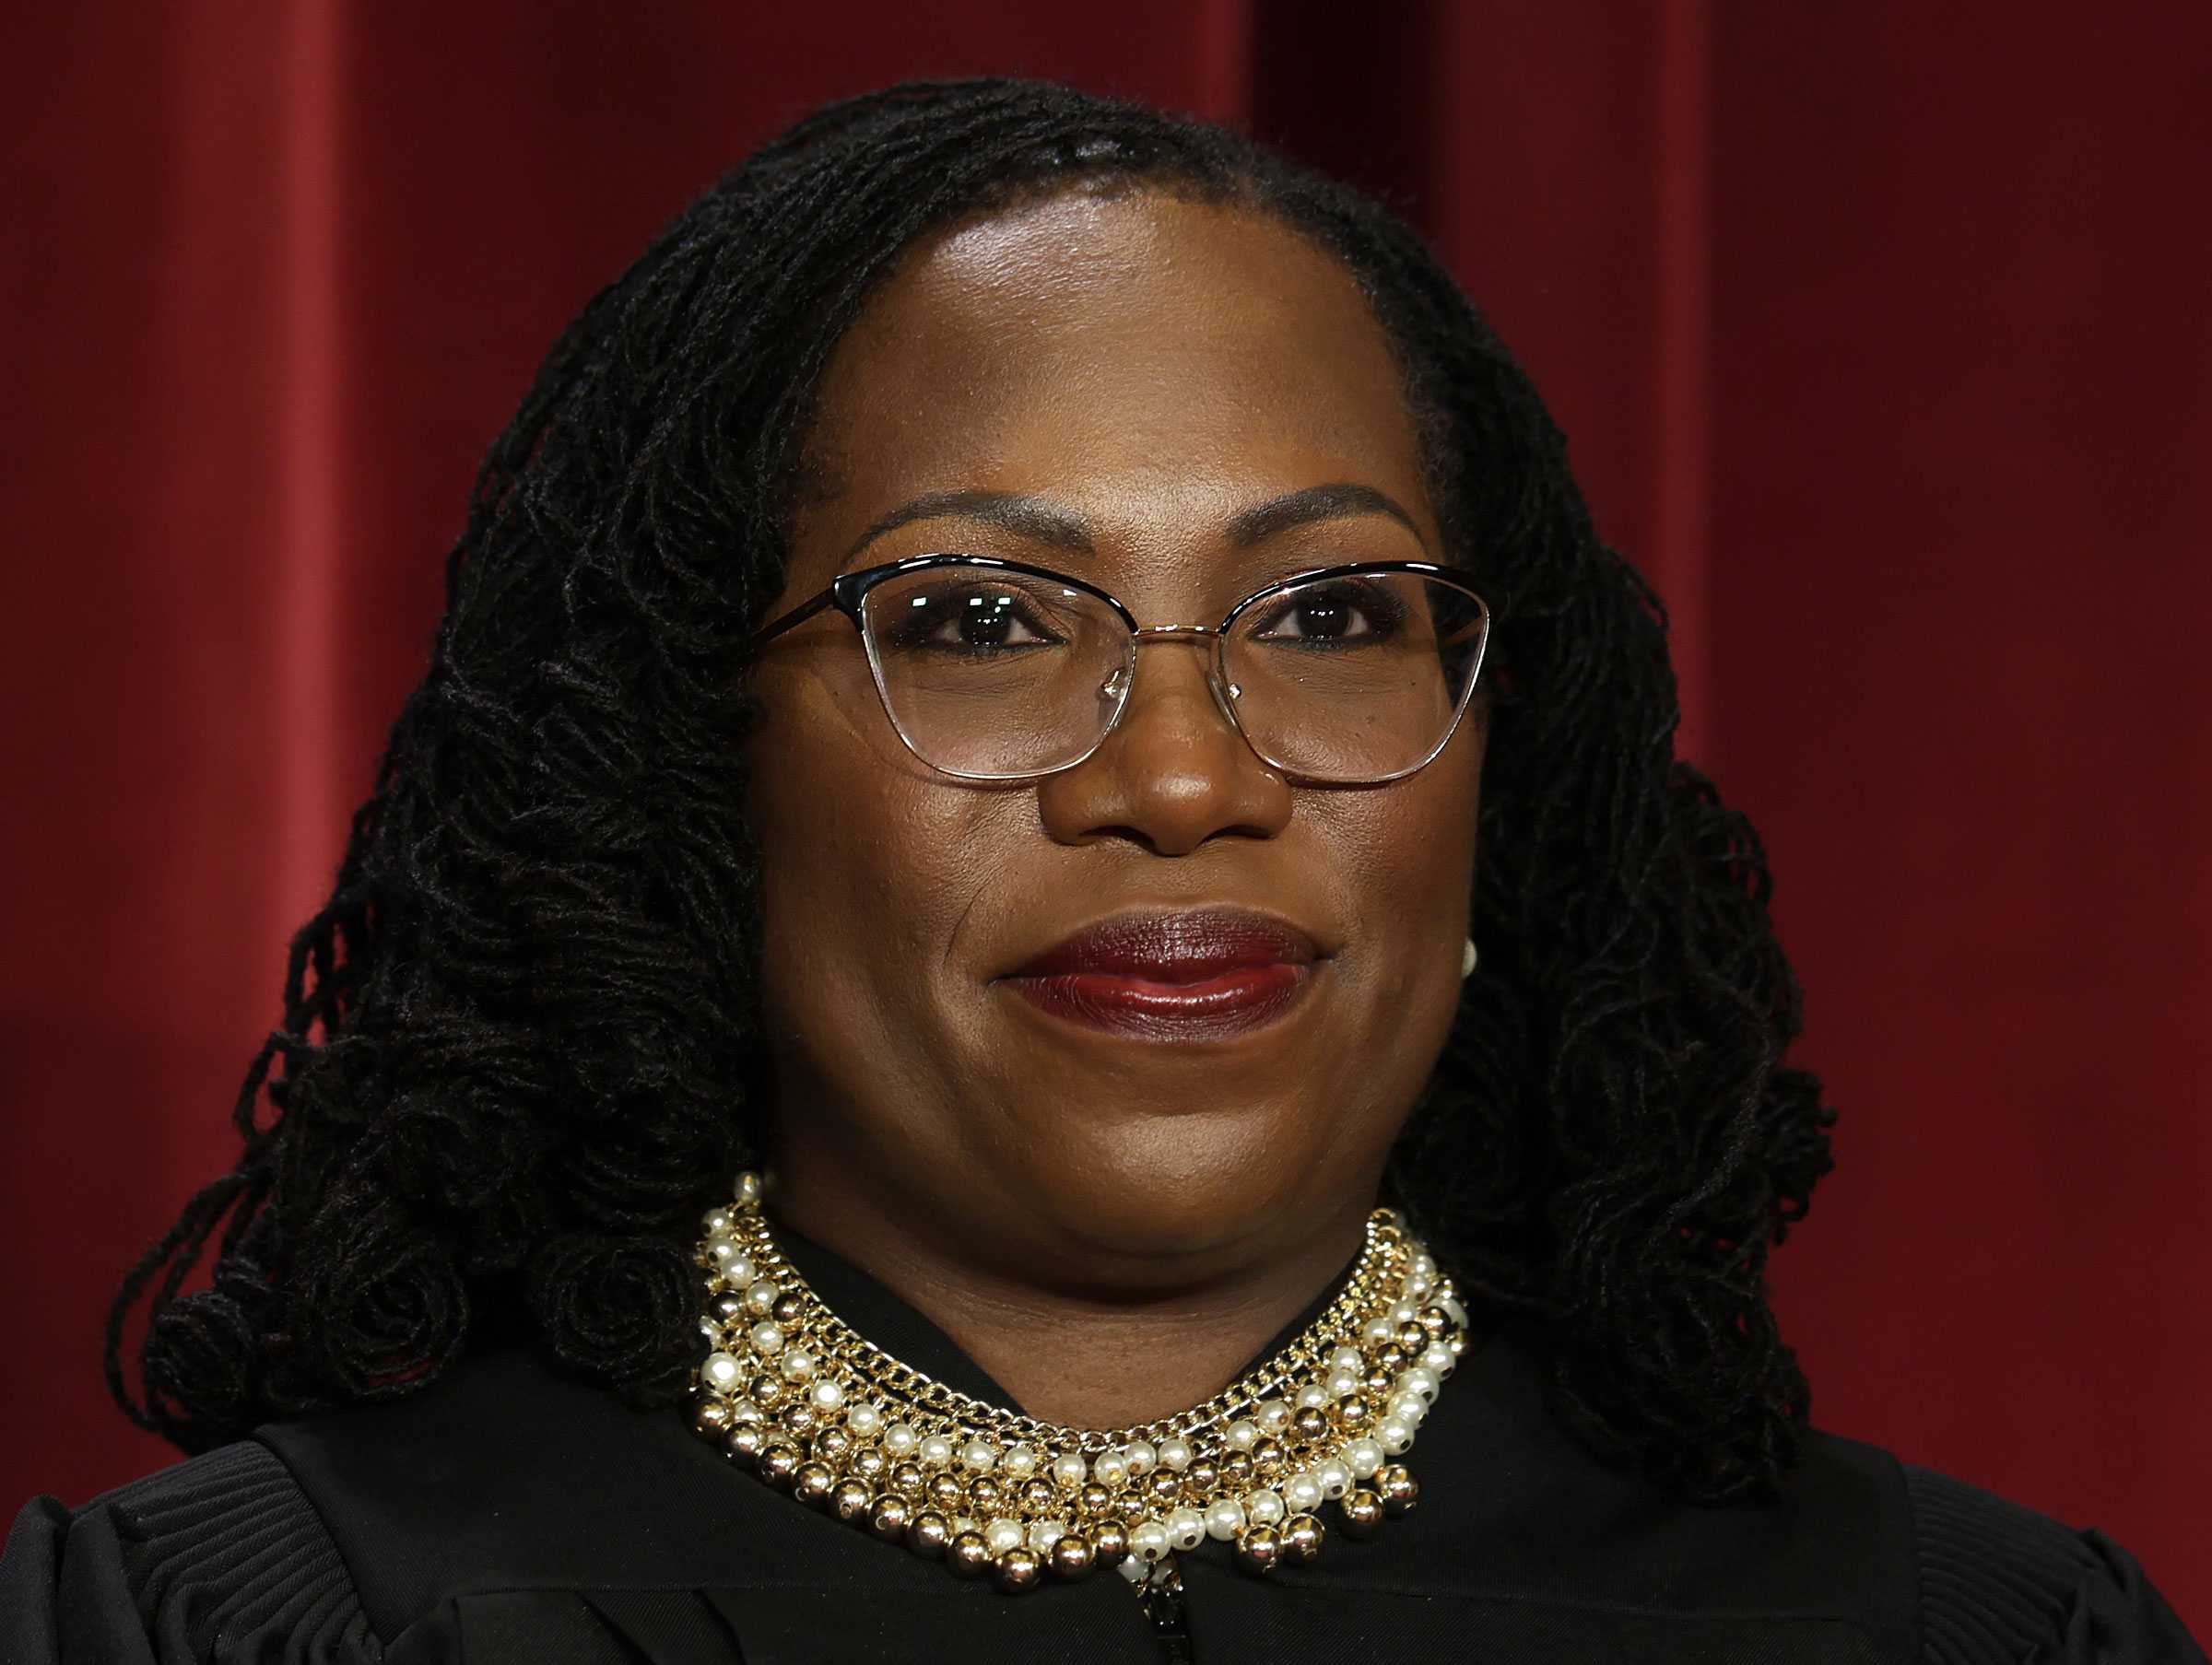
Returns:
<point x="934" y="1452"/>
<point x="749" y="1189"/>
<point x="826" y="1397"/>
<point x="722" y="1371"/>
<point x="761" y="1295"/>
<point x="866" y="1419"/>
<point x="1346" y="1358"/>
<point x="1243" y="1436"/>
<point x="1224" y="1519"/>
<point x="1302" y="1494"/>
<point x="766" y="1338"/>
<point x="1380" y="1333"/>
<point x="1342" y="1382"/>
<point x="1143" y="1457"/>
<point x="1069" y="1471"/>
<point x="899" y="1439"/>
<point x="1002" y="1535"/>
<point x="1186" y="1528"/>
<point x="978" y="1455"/>
<point x="1110" y="1469"/>
<point x="1264" y="1508"/>
<point x="1335" y="1478"/>
<point x="965" y="1523"/>
<point x="1420" y="1381"/>
<point x="1313" y="1397"/>
<point x="1043" y="1534"/>
<point x="1408" y="1408"/>
<point x="1417" y="1287"/>
<point x="1134" y="1569"/>
<point x="1175" y="1452"/>
<point x="1020" y="1462"/>
<point x="1363" y="1456"/>
<point x="1273" y="1415"/>
<point x="1404" y="1313"/>
<point x="717" y="1222"/>
<point x="1440" y="1358"/>
<point x="1393" y="1435"/>
<point x="1149" y="1541"/>
<point x="798" y="1364"/>
<point x="1422" y="1267"/>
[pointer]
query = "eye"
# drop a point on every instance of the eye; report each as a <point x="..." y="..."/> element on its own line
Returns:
<point x="967" y="617"/>
<point x="1350" y="611"/>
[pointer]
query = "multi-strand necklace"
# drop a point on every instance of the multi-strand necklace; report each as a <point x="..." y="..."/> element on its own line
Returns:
<point x="793" y="1394"/>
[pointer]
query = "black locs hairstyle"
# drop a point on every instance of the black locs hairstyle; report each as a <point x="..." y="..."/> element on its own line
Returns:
<point x="518" y="1052"/>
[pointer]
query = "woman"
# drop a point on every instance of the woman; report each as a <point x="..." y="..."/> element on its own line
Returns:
<point x="967" y="699"/>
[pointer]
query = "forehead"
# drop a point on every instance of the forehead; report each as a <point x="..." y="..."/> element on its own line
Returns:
<point x="1143" y="360"/>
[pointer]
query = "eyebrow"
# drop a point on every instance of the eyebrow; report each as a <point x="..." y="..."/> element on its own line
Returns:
<point x="1041" y="521"/>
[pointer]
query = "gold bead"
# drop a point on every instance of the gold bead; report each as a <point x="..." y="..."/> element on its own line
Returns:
<point x="813" y="1482"/>
<point x="1391" y="1360"/>
<point x="1165" y="1484"/>
<point x="832" y="1446"/>
<point x="711" y="1418"/>
<point x="726" y="1308"/>
<point x="1094" y="1497"/>
<point x="1308" y="1422"/>
<point x="1267" y="1457"/>
<point x="1132" y="1508"/>
<point x="1038" y="1495"/>
<point x="849" y="1501"/>
<point x="1019" y="1569"/>
<point x="1354" y="1412"/>
<point x="1071" y="1557"/>
<point x="1412" y="1337"/>
<point x="905" y="1479"/>
<point x="1201" y="1478"/>
<point x="1378" y="1381"/>
<point x="779" y="1461"/>
<point x="788" y="1310"/>
<point x="928" y="1533"/>
<point x="1302" y="1536"/>
<point x="744" y="1443"/>
<point x="1259" y="1550"/>
<point x="799" y="1418"/>
<point x="1398" y="1489"/>
<point x="1109" y="1543"/>
<point x="945" y="1489"/>
<point x="1362" y="1512"/>
<point x="888" y="1515"/>
<point x="1435" y="1320"/>
<point x="968" y="1555"/>
<point x="767" y="1391"/>
<point x="984" y="1496"/>
<point x="1236" y="1466"/>
<point x="869" y="1462"/>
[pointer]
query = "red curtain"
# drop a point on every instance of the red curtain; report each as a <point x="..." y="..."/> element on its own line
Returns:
<point x="1880" y="332"/>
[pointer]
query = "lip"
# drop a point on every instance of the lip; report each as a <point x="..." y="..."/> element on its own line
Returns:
<point x="1190" y="975"/>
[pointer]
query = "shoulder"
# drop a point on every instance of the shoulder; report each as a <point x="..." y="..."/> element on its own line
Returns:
<point x="220" y="1557"/>
<point x="1999" y="1583"/>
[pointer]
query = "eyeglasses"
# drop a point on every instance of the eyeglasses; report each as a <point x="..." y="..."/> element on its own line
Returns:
<point x="993" y="670"/>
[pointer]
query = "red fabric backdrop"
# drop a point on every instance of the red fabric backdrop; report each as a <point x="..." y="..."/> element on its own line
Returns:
<point x="1882" y="341"/>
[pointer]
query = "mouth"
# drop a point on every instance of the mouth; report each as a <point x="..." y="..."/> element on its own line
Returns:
<point x="1207" y="973"/>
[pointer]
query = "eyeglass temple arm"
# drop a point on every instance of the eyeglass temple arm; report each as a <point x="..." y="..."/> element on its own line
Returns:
<point x="797" y="615"/>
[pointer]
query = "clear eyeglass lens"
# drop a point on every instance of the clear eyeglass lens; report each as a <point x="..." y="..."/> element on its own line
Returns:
<point x="1356" y="677"/>
<point x="994" y="674"/>
<point x="988" y="673"/>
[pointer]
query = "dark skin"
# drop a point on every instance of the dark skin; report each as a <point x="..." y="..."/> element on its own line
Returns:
<point x="1110" y="1226"/>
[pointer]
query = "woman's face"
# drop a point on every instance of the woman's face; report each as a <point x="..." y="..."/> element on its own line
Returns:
<point x="1134" y="375"/>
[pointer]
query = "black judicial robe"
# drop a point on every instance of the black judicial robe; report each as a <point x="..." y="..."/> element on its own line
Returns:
<point x="506" y="1515"/>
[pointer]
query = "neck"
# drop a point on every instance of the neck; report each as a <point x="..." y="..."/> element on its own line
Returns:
<point x="1093" y="1357"/>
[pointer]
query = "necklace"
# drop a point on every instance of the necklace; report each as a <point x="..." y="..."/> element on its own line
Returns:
<point x="791" y="1393"/>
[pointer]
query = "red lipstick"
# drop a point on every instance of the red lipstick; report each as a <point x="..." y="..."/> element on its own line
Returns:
<point x="1203" y="974"/>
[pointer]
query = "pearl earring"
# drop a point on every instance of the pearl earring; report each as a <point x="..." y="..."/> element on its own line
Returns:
<point x="1466" y="959"/>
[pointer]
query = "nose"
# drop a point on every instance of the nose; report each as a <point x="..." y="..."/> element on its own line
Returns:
<point x="1175" y="772"/>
